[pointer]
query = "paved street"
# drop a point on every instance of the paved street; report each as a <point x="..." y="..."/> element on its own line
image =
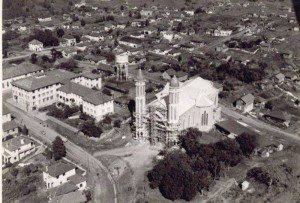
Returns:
<point x="104" y="184"/>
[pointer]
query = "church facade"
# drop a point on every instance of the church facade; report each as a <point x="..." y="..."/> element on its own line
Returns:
<point x="178" y="106"/>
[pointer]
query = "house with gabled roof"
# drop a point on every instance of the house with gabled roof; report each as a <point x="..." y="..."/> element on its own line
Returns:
<point x="245" y="103"/>
<point x="17" y="148"/>
<point x="280" y="117"/>
<point x="35" y="45"/>
<point x="58" y="173"/>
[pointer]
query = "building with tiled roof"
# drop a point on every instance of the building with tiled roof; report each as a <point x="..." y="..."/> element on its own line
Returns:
<point x="9" y="126"/>
<point x="58" y="174"/>
<point x="131" y="42"/>
<point x="74" y="197"/>
<point x="63" y="86"/>
<point x="16" y="148"/>
<point x="15" y="72"/>
<point x="35" y="45"/>
<point x="245" y="103"/>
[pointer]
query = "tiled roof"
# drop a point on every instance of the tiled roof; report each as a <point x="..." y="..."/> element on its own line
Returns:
<point x="74" y="197"/>
<point x="10" y="71"/>
<point x="59" y="168"/>
<point x="9" y="125"/>
<point x="63" y="189"/>
<point x="249" y="98"/>
<point x="52" y="77"/>
<point x="75" y="88"/>
<point x="91" y="75"/>
<point x="35" y="42"/>
<point x="131" y="40"/>
<point x="76" y="179"/>
<point x="97" y="98"/>
<point x="233" y="127"/>
<point x="15" y="143"/>
<point x="279" y="115"/>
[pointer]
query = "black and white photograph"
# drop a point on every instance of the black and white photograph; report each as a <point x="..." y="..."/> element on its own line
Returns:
<point x="150" y="101"/>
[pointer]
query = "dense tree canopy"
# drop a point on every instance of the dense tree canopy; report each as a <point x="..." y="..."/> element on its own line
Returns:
<point x="46" y="37"/>
<point x="195" y="170"/>
<point x="58" y="148"/>
<point x="247" y="143"/>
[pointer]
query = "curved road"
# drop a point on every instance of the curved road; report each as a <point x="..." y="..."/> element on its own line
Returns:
<point x="105" y="184"/>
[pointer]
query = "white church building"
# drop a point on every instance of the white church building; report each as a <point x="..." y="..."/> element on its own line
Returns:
<point x="180" y="105"/>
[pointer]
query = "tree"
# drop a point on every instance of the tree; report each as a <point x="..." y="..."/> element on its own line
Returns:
<point x="269" y="105"/>
<point x="45" y="59"/>
<point x="27" y="170"/>
<point x="107" y="92"/>
<point x="90" y="129"/>
<point x="58" y="148"/>
<point x="247" y="142"/>
<point x="53" y="53"/>
<point x="131" y="107"/>
<point x="147" y="22"/>
<point x="77" y="37"/>
<point x="25" y="130"/>
<point x="60" y="32"/>
<point x="33" y="58"/>
<point x="130" y="14"/>
<point x="189" y="141"/>
<point x="107" y="120"/>
<point x="82" y="22"/>
<point x="117" y="123"/>
<point x="121" y="7"/>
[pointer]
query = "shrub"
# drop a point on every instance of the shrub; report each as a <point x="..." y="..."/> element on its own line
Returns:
<point x="58" y="148"/>
<point x="117" y="123"/>
<point x="90" y="129"/>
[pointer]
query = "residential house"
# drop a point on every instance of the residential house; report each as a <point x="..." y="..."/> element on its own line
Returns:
<point x="16" y="148"/>
<point x="279" y="78"/>
<point x="35" y="45"/>
<point x="67" y="41"/>
<point x="69" y="52"/>
<point x="89" y="80"/>
<point x="168" y="35"/>
<point x="45" y="19"/>
<point x="131" y="42"/>
<point x="15" y="72"/>
<point x="58" y="173"/>
<point x="9" y="126"/>
<point x="245" y="103"/>
<point x="146" y="13"/>
<point x="190" y="12"/>
<point x="95" y="59"/>
<point x="221" y="32"/>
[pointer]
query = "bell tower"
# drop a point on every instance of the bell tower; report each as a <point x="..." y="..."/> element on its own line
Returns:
<point x="140" y="104"/>
<point x="173" y="110"/>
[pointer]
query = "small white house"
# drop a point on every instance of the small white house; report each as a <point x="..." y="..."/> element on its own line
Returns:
<point x="35" y="45"/>
<point x="57" y="174"/>
<point x="16" y="148"/>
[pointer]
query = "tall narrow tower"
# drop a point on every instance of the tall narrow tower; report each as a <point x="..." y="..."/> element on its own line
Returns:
<point x="140" y="104"/>
<point x="173" y="110"/>
<point x="121" y="66"/>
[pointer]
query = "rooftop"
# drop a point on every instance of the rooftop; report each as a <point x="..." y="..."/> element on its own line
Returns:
<point x="97" y="98"/>
<point x="11" y="71"/>
<point x="72" y="87"/>
<point x="5" y="110"/>
<point x="131" y="40"/>
<point x="16" y="142"/>
<point x="50" y="78"/>
<point x="9" y="125"/>
<point x="74" y="197"/>
<point x="59" y="168"/>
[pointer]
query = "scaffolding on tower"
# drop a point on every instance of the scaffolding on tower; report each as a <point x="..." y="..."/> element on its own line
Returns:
<point x="156" y="122"/>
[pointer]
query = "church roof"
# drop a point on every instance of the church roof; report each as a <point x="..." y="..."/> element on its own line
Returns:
<point x="196" y="92"/>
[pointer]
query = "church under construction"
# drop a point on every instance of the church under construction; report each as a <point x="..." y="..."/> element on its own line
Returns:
<point x="178" y="106"/>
